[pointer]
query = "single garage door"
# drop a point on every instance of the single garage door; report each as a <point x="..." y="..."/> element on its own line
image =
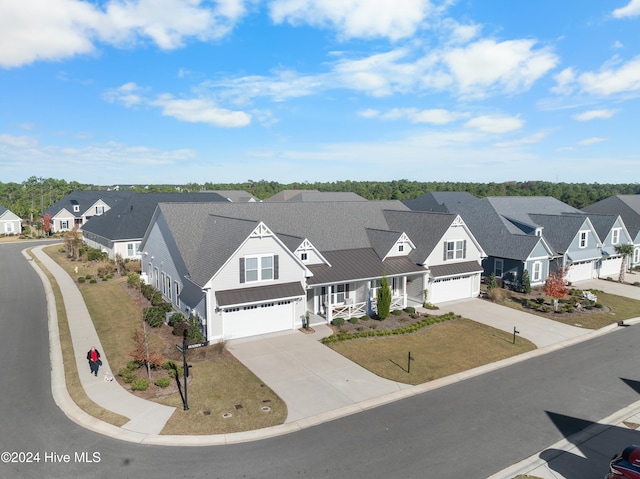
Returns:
<point x="257" y="319"/>
<point x="610" y="267"/>
<point x="580" y="271"/>
<point x="450" y="289"/>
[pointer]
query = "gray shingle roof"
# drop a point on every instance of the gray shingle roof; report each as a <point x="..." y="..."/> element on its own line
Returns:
<point x="359" y="264"/>
<point x="85" y="198"/>
<point x="314" y="196"/>
<point x="382" y="240"/>
<point x="498" y="237"/>
<point x="627" y="206"/>
<point x="441" y="201"/>
<point x="425" y="229"/>
<point x="559" y="230"/>
<point x="128" y="219"/>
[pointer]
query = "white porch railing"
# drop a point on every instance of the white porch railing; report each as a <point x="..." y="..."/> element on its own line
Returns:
<point x="396" y="303"/>
<point x="347" y="311"/>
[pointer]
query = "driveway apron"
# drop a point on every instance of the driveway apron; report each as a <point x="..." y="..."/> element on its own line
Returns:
<point x="311" y="378"/>
<point x="613" y="287"/>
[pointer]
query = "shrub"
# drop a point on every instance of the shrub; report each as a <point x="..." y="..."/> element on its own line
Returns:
<point x="492" y="283"/>
<point x="93" y="281"/>
<point x="598" y="305"/>
<point x="540" y="300"/>
<point x="81" y="279"/>
<point x="384" y="298"/>
<point x="127" y="375"/>
<point x="397" y="312"/>
<point x="154" y="316"/>
<point x="410" y="310"/>
<point x="140" y="385"/>
<point x="180" y="328"/>
<point x="133" y="280"/>
<point x="353" y="320"/>
<point x="497" y="294"/>
<point x="172" y="368"/>
<point x="88" y="276"/>
<point x="338" y="322"/>
<point x="366" y="317"/>
<point x="156" y="298"/>
<point x="162" y="382"/>
<point x="525" y="284"/>
<point x="175" y="318"/>
<point x="636" y="283"/>
<point x="193" y="333"/>
<point x="133" y="365"/>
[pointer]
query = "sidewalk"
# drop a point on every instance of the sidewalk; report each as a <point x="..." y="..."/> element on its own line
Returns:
<point x="146" y="418"/>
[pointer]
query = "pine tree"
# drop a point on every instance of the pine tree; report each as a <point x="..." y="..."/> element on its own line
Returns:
<point x="526" y="282"/>
<point x="384" y="299"/>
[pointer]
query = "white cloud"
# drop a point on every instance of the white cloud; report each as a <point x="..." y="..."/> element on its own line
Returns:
<point x="527" y="140"/>
<point x="511" y="66"/>
<point x="591" y="141"/>
<point x="595" y="114"/>
<point x="18" y="141"/>
<point x="434" y="116"/>
<point x="355" y="18"/>
<point x="611" y="80"/>
<point x="631" y="10"/>
<point x="495" y="123"/>
<point x="201" y="111"/>
<point x="36" y="30"/>
<point x="195" y="110"/>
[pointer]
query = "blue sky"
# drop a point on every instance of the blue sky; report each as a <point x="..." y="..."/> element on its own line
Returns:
<point x="179" y="91"/>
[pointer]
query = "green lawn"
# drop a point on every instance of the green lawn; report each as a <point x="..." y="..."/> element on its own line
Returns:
<point x="438" y="351"/>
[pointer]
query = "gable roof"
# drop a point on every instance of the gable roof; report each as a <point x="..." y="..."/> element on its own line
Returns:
<point x="314" y="195"/>
<point x="561" y="230"/>
<point x="237" y="196"/>
<point x="627" y="206"/>
<point x="128" y="219"/>
<point x="495" y="235"/>
<point x="84" y="199"/>
<point x="515" y="211"/>
<point x="441" y="201"/>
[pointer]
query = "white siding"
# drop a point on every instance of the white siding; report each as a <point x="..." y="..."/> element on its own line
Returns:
<point x="452" y="234"/>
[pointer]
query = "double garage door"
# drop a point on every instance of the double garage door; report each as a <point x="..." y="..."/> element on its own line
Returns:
<point x="450" y="289"/>
<point x="258" y="319"/>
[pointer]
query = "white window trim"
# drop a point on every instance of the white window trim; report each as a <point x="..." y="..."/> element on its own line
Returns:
<point x="584" y="234"/>
<point x="495" y="267"/>
<point x="169" y="292"/>
<point x="260" y="269"/>
<point x="636" y="255"/>
<point x="534" y="265"/>
<point x="455" y="251"/>
<point x="615" y="235"/>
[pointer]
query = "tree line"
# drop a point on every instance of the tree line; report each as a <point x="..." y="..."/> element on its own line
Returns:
<point x="31" y="197"/>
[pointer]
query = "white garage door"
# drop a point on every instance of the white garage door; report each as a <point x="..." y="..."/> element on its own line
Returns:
<point x="257" y="319"/>
<point x="580" y="271"/>
<point x="610" y="267"/>
<point x="450" y="289"/>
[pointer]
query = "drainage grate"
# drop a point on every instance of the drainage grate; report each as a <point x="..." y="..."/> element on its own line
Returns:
<point x="238" y="406"/>
<point x="206" y="413"/>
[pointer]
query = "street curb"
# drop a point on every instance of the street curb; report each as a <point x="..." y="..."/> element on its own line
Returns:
<point x="64" y="401"/>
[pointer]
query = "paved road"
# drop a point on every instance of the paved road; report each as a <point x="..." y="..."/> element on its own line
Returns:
<point x="470" y="429"/>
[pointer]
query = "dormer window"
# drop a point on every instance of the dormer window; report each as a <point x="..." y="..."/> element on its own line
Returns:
<point x="99" y="210"/>
<point x="76" y="208"/>
<point x="304" y="256"/>
<point x="400" y="248"/>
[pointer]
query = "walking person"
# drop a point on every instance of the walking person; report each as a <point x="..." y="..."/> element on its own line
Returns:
<point x="94" y="360"/>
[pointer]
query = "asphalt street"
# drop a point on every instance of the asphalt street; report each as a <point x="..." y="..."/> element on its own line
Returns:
<point x="471" y="429"/>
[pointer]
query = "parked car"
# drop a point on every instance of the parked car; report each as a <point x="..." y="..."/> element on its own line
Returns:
<point x="625" y="465"/>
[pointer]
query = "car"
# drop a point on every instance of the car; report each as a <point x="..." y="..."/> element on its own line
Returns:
<point x="625" y="465"/>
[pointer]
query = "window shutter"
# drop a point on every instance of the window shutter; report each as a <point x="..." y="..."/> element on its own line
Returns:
<point x="444" y="255"/>
<point x="464" y="249"/>
<point x="242" y="270"/>
<point x="276" y="269"/>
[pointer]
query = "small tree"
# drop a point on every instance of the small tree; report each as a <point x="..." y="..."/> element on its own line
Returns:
<point x="143" y="354"/>
<point x="526" y="282"/>
<point x="384" y="298"/>
<point x="492" y="283"/>
<point x="626" y="250"/>
<point x="556" y="286"/>
<point x="46" y="224"/>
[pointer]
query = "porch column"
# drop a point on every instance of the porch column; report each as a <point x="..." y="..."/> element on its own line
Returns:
<point x="329" y="312"/>
<point x="404" y="292"/>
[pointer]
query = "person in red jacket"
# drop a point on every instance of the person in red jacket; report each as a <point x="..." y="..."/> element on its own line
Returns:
<point x="94" y="360"/>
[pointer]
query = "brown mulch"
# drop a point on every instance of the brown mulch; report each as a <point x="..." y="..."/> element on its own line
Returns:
<point x="170" y="352"/>
<point x="392" y="322"/>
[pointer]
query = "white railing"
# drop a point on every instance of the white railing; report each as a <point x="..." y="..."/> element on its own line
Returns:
<point x="347" y="311"/>
<point x="396" y="303"/>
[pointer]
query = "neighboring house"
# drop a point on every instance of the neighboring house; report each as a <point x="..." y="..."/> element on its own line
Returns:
<point x="628" y="208"/>
<point x="119" y="230"/>
<point x="75" y="209"/>
<point x="612" y="232"/>
<point x="235" y="196"/>
<point x="306" y="196"/>
<point x="248" y="269"/>
<point x="10" y="223"/>
<point x="509" y="250"/>
<point x="441" y="201"/>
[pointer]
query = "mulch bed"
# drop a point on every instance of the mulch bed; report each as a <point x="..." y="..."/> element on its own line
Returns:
<point x="392" y="322"/>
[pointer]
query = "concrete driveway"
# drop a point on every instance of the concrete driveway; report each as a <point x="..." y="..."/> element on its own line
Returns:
<point x="311" y="378"/>
<point x="613" y="287"/>
<point x="540" y="331"/>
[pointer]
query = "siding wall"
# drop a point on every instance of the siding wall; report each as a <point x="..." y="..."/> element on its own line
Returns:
<point x="452" y="234"/>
